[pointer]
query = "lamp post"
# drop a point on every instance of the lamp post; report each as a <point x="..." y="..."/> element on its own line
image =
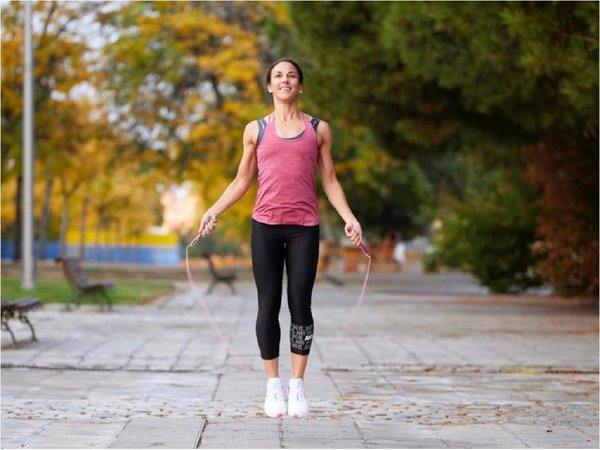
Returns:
<point x="28" y="281"/>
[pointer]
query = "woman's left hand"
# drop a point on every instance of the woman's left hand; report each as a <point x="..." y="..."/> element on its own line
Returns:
<point x="208" y="224"/>
<point x="354" y="232"/>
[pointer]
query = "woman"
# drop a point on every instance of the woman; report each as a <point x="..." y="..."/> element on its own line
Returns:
<point x="287" y="147"/>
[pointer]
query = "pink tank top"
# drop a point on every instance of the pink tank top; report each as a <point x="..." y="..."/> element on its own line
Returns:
<point x="286" y="178"/>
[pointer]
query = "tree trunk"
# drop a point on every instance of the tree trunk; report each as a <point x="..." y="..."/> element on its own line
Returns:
<point x="82" y="230"/>
<point x="97" y="245"/>
<point x="64" y="222"/>
<point x="45" y="219"/>
<point x="118" y="241"/>
<point x="18" y="219"/>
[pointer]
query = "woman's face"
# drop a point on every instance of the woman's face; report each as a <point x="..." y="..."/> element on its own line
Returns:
<point x="285" y="82"/>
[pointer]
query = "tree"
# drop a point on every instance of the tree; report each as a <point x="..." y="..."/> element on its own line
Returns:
<point x="59" y="67"/>
<point x="445" y="79"/>
<point x="185" y="77"/>
<point x="76" y="146"/>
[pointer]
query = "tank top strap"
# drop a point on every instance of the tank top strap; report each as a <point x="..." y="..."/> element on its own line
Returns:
<point x="262" y="125"/>
<point x="315" y="123"/>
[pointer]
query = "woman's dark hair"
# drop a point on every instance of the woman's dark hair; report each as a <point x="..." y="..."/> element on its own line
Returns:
<point x="291" y="61"/>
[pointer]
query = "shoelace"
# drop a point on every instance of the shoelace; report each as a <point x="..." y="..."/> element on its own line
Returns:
<point x="275" y="393"/>
<point x="298" y="392"/>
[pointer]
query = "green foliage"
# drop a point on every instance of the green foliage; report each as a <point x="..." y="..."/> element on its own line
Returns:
<point x="530" y="64"/>
<point x="439" y="82"/>
<point x="402" y="190"/>
<point x="490" y="234"/>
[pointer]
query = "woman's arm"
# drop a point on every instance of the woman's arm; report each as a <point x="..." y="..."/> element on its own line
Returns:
<point x="240" y="184"/>
<point x="332" y="187"/>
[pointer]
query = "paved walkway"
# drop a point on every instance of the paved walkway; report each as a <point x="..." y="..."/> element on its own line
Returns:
<point x="431" y="362"/>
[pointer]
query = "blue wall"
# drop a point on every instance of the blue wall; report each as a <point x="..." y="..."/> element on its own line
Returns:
<point x="158" y="255"/>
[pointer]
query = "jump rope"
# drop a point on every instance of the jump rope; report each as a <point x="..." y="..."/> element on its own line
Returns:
<point x="215" y="326"/>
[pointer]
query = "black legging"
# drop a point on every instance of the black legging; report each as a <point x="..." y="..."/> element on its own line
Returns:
<point x="298" y="247"/>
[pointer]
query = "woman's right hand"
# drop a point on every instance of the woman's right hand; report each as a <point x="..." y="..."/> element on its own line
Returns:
<point x="354" y="232"/>
<point x="207" y="224"/>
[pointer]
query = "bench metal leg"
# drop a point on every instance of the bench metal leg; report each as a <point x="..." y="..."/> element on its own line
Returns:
<point x="107" y="300"/>
<point x="5" y="327"/>
<point x="211" y="286"/>
<point x="103" y="300"/>
<point x="23" y="318"/>
<point x="214" y="282"/>
<point x="74" y="300"/>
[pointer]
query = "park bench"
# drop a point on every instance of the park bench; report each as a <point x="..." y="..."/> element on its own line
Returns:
<point x="18" y="309"/>
<point x="218" y="277"/>
<point x="81" y="286"/>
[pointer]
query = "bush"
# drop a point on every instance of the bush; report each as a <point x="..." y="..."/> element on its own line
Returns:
<point x="491" y="235"/>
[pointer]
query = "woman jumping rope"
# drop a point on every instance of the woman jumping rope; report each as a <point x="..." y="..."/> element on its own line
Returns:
<point x="287" y="147"/>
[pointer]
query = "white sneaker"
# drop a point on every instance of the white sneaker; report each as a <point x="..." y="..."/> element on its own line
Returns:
<point x="274" y="400"/>
<point x="297" y="403"/>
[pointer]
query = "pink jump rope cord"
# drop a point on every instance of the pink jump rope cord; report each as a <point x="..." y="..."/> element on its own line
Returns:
<point x="361" y="298"/>
<point x="192" y="283"/>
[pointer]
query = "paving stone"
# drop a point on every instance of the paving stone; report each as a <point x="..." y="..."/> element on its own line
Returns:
<point x="398" y="435"/>
<point x="19" y="432"/>
<point x="75" y="434"/>
<point x="153" y="432"/>
<point x="308" y="433"/>
<point x="552" y="436"/>
<point x="242" y="433"/>
<point x="478" y="436"/>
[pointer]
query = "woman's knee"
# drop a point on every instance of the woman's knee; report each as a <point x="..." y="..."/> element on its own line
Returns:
<point x="301" y="338"/>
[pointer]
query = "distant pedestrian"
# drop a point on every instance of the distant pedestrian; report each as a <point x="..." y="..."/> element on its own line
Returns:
<point x="400" y="254"/>
<point x="287" y="147"/>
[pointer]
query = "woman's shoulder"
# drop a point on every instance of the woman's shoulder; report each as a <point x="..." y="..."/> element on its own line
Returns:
<point x="255" y="129"/>
<point x="320" y="125"/>
<point x="252" y="125"/>
<point x="316" y="122"/>
<point x="255" y="124"/>
<point x="251" y="131"/>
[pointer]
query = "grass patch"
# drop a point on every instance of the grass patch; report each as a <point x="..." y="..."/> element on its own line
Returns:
<point x="125" y="292"/>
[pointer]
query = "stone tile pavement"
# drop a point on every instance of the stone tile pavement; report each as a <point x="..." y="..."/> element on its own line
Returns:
<point x="430" y="362"/>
